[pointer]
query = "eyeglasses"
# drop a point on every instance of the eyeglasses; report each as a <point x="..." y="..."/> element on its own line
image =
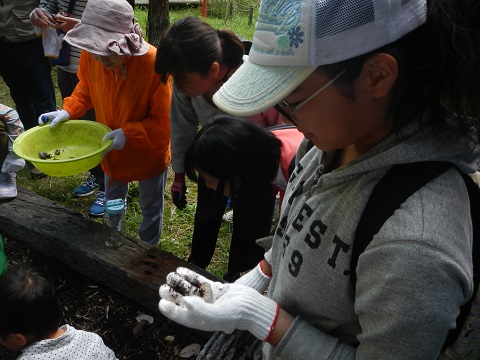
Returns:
<point x="287" y="110"/>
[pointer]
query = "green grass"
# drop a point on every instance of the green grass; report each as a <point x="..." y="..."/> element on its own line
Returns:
<point x="238" y="22"/>
<point x="178" y="225"/>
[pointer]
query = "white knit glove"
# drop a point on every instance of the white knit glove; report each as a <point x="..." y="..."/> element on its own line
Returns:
<point x="12" y="163"/>
<point x="52" y="41"/>
<point x="194" y="301"/>
<point x="55" y="117"/>
<point x="119" y="140"/>
<point x="255" y="279"/>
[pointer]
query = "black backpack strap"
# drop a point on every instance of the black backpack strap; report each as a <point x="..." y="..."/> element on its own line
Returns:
<point x="474" y="196"/>
<point x="247" y="44"/>
<point x="398" y="184"/>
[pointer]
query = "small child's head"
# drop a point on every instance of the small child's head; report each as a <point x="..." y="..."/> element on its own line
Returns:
<point x="29" y="308"/>
<point x="231" y="153"/>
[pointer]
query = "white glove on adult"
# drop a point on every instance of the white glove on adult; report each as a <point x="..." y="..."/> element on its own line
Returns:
<point x="12" y="163"/>
<point x="194" y="301"/>
<point x="119" y="140"/>
<point x="55" y="117"/>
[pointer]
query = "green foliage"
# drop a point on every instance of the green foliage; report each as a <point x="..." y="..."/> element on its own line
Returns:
<point x="238" y="22"/>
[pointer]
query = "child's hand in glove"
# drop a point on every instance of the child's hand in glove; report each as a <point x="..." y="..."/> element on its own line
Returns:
<point x="54" y="117"/>
<point x="119" y="140"/>
<point x="194" y="301"/>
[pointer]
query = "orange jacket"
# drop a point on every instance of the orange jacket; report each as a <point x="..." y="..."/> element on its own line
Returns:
<point x="139" y="104"/>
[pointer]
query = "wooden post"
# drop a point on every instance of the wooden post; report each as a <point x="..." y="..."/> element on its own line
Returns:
<point x="250" y="15"/>
<point x="227" y="11"/>
<point x="203" y="12"/>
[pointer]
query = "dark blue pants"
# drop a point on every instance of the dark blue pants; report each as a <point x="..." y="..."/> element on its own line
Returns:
<point x="26" y="72"/>
<point x="252" y="219"/>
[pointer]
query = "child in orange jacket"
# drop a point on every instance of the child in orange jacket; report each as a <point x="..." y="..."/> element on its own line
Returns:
<point x="117" y="77"/>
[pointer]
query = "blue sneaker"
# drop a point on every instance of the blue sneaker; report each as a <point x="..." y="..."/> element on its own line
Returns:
<point x="87" y="188"/>
<point x="98" y="206"/>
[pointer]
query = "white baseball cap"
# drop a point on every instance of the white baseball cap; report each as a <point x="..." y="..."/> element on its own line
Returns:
<point x="293" y="37"/>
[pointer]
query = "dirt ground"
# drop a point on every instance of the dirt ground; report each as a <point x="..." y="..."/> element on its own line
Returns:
<point x="92" y="307"/>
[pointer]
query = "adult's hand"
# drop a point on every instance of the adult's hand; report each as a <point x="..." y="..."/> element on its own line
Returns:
<point x="65" y="23"/>
<point x="41" y="18"/>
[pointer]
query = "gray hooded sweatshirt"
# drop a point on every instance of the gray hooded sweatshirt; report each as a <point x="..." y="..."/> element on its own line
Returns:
<point x="411" y="279"/>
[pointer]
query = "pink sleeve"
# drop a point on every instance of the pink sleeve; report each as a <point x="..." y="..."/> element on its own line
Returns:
<point x="270" y="117"/>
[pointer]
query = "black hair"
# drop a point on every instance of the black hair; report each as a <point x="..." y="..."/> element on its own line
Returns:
<point x="28" y="303"/>
<point x="438" y="68"/>
<point x="237" y="150"/>
<point x="192" y="45"/>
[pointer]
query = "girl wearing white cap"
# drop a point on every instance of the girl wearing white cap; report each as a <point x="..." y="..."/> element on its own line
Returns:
<point x="116" y="77"/>
<point x="371" y="83"/>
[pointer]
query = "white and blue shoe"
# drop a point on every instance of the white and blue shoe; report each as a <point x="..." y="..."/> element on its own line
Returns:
<point x="98" y="206"/>
<point x="87" y="188"/>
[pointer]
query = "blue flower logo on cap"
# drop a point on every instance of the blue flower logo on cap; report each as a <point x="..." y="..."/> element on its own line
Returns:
<point x="296" y="37"/>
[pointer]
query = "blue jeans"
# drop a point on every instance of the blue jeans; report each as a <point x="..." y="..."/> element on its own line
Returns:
<point x="26" y="72"/>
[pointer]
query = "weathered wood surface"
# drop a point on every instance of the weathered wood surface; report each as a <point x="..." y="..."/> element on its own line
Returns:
<point x="135" y="270"/>
<point x="239" y="345"/>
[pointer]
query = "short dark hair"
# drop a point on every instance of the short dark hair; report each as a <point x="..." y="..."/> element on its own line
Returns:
<point x="28" y="303"/>
<point x="192" y="45"/>
<point x="235" y="149"/>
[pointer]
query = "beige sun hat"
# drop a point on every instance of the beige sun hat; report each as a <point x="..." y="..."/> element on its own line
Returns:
<point x="107" y="28"/>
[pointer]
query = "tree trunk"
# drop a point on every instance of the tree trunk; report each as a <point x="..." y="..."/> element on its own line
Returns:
<point x="158" y="20"/>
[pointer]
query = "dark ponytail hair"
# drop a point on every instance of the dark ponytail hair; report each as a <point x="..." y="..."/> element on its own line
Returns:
<point x="439" y="68"/>
<point x="192" y="45"/>
<point x="237" y="150"/>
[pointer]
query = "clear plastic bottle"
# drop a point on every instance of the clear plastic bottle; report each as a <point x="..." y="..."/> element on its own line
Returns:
<point x="114" y="223"/>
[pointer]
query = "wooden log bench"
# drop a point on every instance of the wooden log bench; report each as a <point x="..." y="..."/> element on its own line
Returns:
<point x="135" y="270"/>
